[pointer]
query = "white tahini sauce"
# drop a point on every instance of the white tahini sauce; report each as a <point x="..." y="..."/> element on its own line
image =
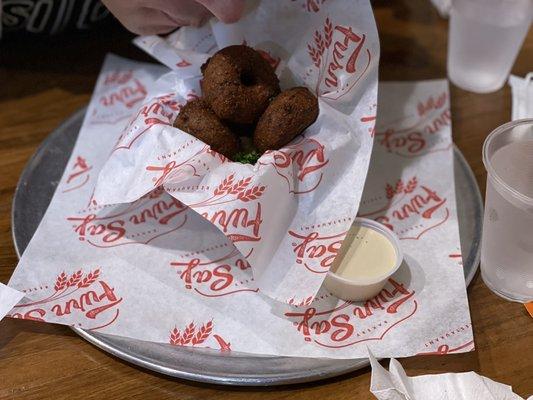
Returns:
<point x="364" y="254"/>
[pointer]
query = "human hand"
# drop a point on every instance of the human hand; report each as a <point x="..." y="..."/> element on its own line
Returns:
<point x="150" y="17"/>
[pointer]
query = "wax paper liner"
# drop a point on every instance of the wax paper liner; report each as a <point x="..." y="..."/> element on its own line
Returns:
<point x="314" y="184"/>
<point x="155" y="270"/>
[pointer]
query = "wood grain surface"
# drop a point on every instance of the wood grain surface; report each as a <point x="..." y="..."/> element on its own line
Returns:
<point x="43" y="81"/>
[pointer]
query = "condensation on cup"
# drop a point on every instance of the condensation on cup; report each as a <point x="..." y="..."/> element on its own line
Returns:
<point x="484" y="39"/>
<point x="507" y="245"/>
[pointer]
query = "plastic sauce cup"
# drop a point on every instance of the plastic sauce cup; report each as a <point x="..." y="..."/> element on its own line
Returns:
<point x="369" y="255"/>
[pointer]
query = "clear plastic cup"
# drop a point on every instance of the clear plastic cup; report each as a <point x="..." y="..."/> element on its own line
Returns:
<point x="507" y="245"/>
<point x="484" y="39"/>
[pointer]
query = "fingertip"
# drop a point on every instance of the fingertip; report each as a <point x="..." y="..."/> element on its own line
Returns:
<point x="230" y="19"/>
<point x="201" y="20"/>
<point x="227" y="11"/>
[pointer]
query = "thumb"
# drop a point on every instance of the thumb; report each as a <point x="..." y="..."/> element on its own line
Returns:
<point x="227" y="11"/>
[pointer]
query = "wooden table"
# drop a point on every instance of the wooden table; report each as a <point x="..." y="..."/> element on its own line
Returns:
<point x="41" y="85"/>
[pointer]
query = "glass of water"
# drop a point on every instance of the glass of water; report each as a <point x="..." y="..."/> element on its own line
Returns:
<point x="484" y="39"/>
<point x="507" y="245"/>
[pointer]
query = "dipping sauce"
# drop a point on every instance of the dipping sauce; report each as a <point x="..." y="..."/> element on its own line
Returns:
<point x="365" y="254"/>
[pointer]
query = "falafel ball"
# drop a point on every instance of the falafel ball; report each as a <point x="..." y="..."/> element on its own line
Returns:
<point x="240" y="130"/>
<point x="238" y="84"/>
<point x="285" y="118"/>
<point x="197" y="119"/>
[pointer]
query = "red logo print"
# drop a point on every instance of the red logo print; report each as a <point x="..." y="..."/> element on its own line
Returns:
<point x="152" y="216"/>
<point x="309" y="158"/>
<point x="411" y="209"/>
<point x="78" y="176"/>
<point x="353" y="323"/>
<point x="338" y="49"/>
<point x="444" y="349"/>
<point x="432" y="103"/>
<point x="311" y="5"/>
<point x="162" y="110"/>
<point x="450" y="342"/>
<point x="245" y="221"/>
<point x="457" y="256"/>
<point x="192" y="95"/>
<point x="240" y="223"/>
<point x="121" y="92"/>
<point x="316" y="252"/>
<point x="127" y="95"/>
<point x="172" y="172"/>
<point x="118" y="77"/>
<point x="272" y="60"/>
<point x="183" y="63"/>
<point x="422" y="137"/>
<point x="79" y="293"/>
<point x="372" y="120"/>
<point x="220" y="274"/>
<point x="195" y="336"/>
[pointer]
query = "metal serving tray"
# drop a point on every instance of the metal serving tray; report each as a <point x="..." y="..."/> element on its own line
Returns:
<point x="34" y="192"/>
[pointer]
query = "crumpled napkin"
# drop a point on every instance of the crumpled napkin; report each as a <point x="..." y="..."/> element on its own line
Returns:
<point x="394" y="384"/>
<point x="522" y="89"/>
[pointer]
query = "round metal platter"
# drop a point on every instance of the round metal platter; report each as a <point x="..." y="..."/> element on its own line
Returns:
<point x="34" y="192"/>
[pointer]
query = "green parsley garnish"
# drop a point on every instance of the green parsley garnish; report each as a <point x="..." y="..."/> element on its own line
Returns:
<point x="247" y="157"/>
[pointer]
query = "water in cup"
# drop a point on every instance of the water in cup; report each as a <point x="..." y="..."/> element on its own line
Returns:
<point x="485" y="37"/>
<point x="507" y="249"/>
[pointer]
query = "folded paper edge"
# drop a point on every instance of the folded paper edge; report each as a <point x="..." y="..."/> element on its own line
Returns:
<point x="9" y="298"/>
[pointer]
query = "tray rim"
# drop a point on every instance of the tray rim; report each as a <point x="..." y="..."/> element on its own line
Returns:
<point x="335" y="368"/>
